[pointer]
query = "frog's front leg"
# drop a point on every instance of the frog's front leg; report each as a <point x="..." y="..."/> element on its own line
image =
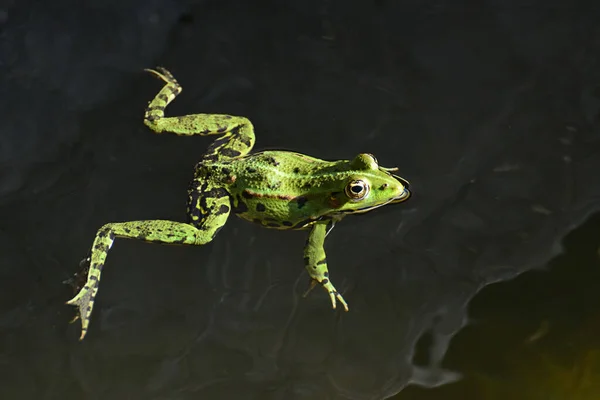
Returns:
<point x="315" y="262"/>
<point x="158" y="231"/>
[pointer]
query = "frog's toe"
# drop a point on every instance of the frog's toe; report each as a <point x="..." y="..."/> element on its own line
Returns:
<point x="163" y="74"/>
<point x="75" y="318"/>
<point x="341" y="300"/>
<point x="334" y="296"/>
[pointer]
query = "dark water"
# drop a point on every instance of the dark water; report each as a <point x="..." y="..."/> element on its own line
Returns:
<point x="490" y="109"/>
<point x="534" y="337"/>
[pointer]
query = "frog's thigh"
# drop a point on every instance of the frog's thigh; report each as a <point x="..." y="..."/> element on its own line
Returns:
<point x="315" y="263"/>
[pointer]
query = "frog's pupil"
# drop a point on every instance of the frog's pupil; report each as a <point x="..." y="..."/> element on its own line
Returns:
<point x="357" y="189"/>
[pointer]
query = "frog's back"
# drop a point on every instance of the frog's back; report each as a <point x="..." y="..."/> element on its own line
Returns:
<point x="280" y="189"/>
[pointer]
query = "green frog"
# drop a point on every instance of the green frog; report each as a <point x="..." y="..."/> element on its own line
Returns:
<point x="276" y="189"/>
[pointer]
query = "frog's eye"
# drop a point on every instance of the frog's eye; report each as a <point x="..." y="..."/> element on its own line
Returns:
<point x="357" y="190"/>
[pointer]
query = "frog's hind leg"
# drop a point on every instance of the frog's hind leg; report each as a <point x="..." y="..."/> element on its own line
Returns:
<point x="238" y="133"/>
<point x="198" y="232"/>
<point x="315" y="263"/>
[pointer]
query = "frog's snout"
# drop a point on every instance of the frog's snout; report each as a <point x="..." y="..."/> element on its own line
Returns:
<point x="404" y="195"/>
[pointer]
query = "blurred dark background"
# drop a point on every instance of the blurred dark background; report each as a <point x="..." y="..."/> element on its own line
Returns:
<point x="490" y="108"/>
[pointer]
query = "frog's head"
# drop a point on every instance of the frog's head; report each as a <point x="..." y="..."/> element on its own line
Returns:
<point x="370" y="186"/>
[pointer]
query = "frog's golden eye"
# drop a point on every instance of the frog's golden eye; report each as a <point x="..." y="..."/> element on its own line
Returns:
<point x="357" y="190"/>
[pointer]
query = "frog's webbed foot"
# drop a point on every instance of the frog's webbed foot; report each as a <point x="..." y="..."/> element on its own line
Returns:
<point x="77" y="282"/>
<point x="334" y="295"/>
<point x="84" y="302"/>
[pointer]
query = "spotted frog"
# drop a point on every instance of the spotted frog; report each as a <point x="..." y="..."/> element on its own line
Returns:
<point x="276" y="189"/>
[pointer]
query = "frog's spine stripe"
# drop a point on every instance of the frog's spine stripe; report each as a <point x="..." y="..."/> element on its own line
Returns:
<point x="247" y="193"/>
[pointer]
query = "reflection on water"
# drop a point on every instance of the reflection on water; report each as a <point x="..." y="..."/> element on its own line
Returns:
<point x="535" y="337"/>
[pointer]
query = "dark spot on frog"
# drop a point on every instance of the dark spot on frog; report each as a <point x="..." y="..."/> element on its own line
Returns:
<point x="324" y="281"/>
<point x="323" y="261"/>
<point x="226" y="171"/>
<point x="307" y="185"/>
<point x="223" y="209"/>
<point x="301" y="200"/>
<point x="273" y="224"/>
<point x="245" y="140"/>
<point x="246" y="194"/>
<point x="229" y="152"/>
<point x="216" y="193"/>
<point x="222" y="129"/>
<point x="296" y="170"/>
<point x="162" y="97"/>
<point x="260" y="207"/>
<point x="326" y="274"/>
<point x="272" y="160"/>
<point x="287" y="223"/>
<point x="100" y="247"/>
<point x="257" y="221"/>
<point x="250" y="170"/>
<point x="384" y="186"/>
<point x="174" y="89"/>
<point x="306" y="260"/>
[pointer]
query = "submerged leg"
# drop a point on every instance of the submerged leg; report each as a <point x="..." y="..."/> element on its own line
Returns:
<point x="238" y="132"/>
<point x="316" y="263"/>
<point x="158" y="231"/>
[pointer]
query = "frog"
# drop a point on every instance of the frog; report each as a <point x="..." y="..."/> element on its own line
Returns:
<point x="276" y="189"/>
